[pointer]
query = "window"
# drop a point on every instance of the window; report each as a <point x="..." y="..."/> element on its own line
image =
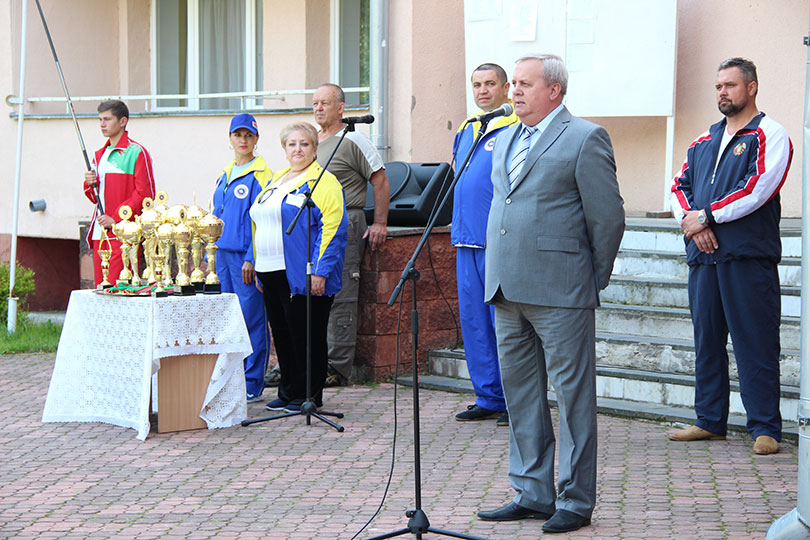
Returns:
<point x="204" y="47"/>
<point x="351" y="31"/>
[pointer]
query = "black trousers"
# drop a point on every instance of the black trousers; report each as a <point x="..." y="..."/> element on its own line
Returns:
<point x="287" y="315"/>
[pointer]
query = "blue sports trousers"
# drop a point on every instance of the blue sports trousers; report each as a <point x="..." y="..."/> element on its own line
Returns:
<point x="740" y="297"/>
<point x="478" y="330"/>
<point x="229" y="270"/>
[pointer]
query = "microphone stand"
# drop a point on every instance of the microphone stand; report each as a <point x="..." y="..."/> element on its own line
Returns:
<point x="418" y="523"/>
<point x="308" y="408"/>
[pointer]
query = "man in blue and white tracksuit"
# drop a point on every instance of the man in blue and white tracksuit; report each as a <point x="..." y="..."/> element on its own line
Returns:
<point x="726" y="199"/>
<point x="471" y="202"/>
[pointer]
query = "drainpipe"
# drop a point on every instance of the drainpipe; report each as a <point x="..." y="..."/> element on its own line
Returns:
<point x="378" y="74"/>
<point x="795" y="525"/>
<point x="15" y="202"/>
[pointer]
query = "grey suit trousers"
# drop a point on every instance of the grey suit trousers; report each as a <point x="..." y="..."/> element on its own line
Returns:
<point x="538" y="345"/>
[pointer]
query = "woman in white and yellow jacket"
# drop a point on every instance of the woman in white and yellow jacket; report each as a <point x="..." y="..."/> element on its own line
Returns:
<point x="281" y="262"/>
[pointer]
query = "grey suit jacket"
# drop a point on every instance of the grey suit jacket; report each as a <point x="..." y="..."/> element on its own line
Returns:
<point x="552" y="238"/>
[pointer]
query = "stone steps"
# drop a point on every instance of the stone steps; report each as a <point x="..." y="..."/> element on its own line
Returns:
<point x="644" y="342"/>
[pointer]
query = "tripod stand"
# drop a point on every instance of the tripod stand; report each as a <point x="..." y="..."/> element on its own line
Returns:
<point x="418" y="523"/>
<point x="308" y="407"/>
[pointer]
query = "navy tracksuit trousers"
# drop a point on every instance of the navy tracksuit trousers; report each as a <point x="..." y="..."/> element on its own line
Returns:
<point x="740" y="297"/>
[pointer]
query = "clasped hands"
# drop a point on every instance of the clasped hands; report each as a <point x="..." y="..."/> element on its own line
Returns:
<point x="700" y="234"/>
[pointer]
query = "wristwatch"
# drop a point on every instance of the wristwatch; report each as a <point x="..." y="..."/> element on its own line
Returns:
<point x="702" y="219"/>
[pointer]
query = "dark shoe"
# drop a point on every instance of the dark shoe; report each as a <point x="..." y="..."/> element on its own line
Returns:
<point x="474" y="412"/>
<point x="504" y="419"/>
<point x="565" y="521"/>
<point x="272" y="377"/>
<point x="511" y="512"/>
<point x="277" y="404"/>
<point x="294" y="406"/>
<point x="333" y="378"/>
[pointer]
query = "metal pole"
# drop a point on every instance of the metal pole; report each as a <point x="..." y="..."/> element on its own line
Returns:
<point x="70" y="105"/>
<point x="15" y="202"/>
<point x="378" y="74"/>
<point x="795" y="525"/>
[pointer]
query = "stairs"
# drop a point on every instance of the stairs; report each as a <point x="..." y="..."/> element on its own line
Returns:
<point x="644" y="344"/>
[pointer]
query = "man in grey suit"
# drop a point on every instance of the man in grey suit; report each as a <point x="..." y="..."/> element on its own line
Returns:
<point x="554" y="229"/>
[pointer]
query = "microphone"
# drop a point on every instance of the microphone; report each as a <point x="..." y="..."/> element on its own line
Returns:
<point x="365" y="119"/>
<point x="504" y="110"/>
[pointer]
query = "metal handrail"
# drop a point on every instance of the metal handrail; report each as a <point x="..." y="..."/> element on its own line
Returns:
<point x="15" y="100"/>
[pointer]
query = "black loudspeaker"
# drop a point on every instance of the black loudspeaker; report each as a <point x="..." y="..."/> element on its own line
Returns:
<point x="415" y="187"/>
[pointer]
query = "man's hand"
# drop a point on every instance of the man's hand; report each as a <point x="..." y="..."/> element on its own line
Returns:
<point x="90" y="178"/>
<point x="318" y="285"/>
<point x="248" y="275"/>
<point x="376" y="235"/>
<point x="705" y="240"/>
<point x="690" y="224"/>
<point x="105" y="221"/>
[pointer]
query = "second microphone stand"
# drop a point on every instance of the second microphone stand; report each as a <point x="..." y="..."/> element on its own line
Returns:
<point x="418" y="523"/>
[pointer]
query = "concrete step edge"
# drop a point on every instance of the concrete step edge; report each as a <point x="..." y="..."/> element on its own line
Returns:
<point x="614" y="407"/>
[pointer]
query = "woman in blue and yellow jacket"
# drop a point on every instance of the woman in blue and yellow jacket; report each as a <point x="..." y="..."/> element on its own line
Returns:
<point x="236" y="188"/>
<point x="281" y="262"/>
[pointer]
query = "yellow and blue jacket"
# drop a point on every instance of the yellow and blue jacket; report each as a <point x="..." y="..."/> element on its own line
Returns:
<point x="328" y="229"/>
<point x="232" y="201"/>
<point x="473" y="193"/>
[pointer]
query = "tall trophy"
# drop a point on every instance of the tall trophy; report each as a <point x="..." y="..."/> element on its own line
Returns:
<point x="149" y="220"/>
<point x="125" y="212"/>
<point x="182" y="239"/>
<point x="105" y="253"/>
<point x="164" y="234"/>
<point x="210" y="228"/>
<point x="132" y="234"/>
<point x="193" y="216"/>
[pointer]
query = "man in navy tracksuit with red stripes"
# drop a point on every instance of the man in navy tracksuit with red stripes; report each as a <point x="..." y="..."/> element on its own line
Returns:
<point x="726" y="199"/>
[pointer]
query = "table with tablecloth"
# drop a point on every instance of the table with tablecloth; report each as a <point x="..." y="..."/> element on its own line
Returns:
<point x="111" y="347"/>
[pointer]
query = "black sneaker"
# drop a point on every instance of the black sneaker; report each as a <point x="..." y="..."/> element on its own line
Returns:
<point x="474" y="412"/>
<point x="504" y="419"/>
<point x="273" y="377"/>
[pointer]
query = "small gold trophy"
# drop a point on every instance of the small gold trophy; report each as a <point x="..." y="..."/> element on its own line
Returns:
<point x="149" y="220"/>
<point x="193" y="216"/>
<point x="210" y="228"/>
<point x="125" y="212"/>
<point x="105" y="254"/>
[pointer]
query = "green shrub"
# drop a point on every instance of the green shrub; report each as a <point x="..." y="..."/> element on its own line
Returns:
<point x="23" y="286"/>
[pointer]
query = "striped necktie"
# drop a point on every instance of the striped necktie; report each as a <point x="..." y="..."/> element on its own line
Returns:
<point x="520" y="156"/>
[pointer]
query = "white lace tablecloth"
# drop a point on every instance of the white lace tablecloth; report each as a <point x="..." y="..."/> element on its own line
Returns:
<point x="111" y="346"/>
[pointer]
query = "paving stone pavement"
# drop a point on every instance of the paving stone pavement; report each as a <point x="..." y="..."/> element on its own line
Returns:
<point x="286" y="480"/>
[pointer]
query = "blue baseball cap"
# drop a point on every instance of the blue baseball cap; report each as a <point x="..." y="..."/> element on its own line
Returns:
<point x="246" y="121"/>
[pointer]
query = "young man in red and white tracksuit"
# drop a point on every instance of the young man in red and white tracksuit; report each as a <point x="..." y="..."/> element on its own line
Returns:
<point x="122" y="174"/>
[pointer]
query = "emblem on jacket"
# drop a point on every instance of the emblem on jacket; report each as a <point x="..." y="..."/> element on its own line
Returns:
<point x="241" y="191"/>
<point x="739" y="149"/>
<point x="490" y="145"/>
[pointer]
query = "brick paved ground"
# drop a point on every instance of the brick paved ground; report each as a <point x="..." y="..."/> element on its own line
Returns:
<point x="287" y="480"/>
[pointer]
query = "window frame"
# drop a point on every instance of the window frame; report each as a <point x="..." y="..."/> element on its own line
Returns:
<point x="193" y="57"/>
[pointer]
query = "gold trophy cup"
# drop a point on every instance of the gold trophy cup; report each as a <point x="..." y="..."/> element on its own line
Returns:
<point x="125" y="212"/>
<point x="193" y="216"/>
<point x="182" y="238"/>
<point x="210" y="228"/>
<point x="105" y="254"/>
<point x="149" y="220"/>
